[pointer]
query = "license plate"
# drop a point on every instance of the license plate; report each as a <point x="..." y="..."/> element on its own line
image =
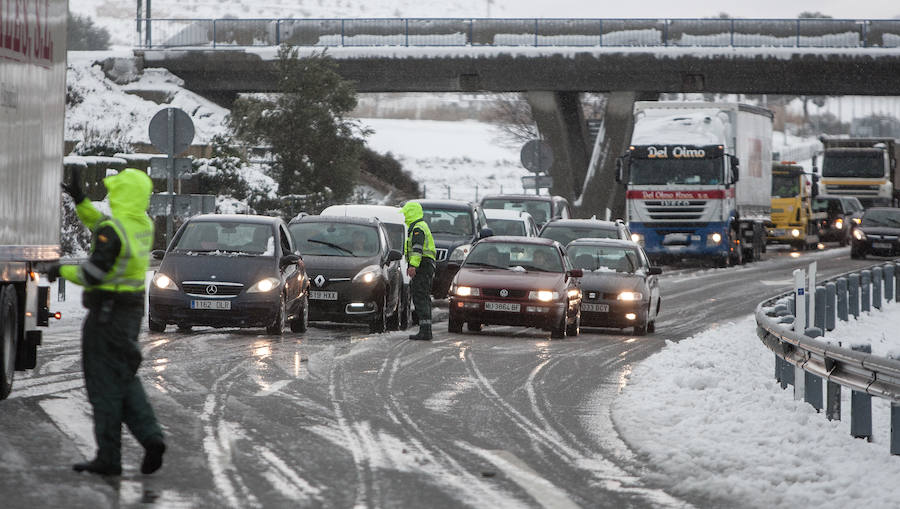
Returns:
<point x="211" y="304"/>
<point x="595" y="308"/>
<point x="881" y="245"/>
<point x="315" y="295"/>
<point x="502" y="306"/>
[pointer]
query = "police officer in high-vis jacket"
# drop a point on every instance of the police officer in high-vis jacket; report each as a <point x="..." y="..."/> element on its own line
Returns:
<point x="113" y="280"/>
<point x="420" y="253"/>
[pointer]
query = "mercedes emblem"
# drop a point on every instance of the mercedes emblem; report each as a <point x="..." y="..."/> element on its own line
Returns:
<point x="212" y="290"/>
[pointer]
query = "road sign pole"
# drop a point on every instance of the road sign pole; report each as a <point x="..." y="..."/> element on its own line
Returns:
<point x="170" y="179"/>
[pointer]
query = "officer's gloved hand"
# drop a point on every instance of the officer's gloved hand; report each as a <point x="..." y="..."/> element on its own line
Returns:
<point x="74" y="187"/>
<point x="53" y="272"/>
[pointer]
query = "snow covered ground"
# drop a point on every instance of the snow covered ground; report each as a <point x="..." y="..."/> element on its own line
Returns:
<point x="708" y="414"/>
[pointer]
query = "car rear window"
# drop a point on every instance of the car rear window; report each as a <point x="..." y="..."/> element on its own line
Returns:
<point x="226" y="237"/>
<point x="512" y="227"/>
<point x="539" y="210"/>
<point x="335" y="239"/>
<point x="566" y="234"/>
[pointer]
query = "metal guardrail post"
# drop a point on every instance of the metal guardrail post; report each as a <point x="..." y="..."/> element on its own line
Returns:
<point x="278" y="32"/>
<point x="861" y="407"/>
<point x="471" y="32"/>
<point x="732" y="32"/>
<point x="812" y="384"/>
<point x="877" y="278"/>
<point x="798" y="33"/>
<point x="830" y="294"/>
<point x="865" y="291"/>
<point x="889" y="294"/>
<point x="799" y="383"/>
<point x="342" y="32"/>
<point x="535" y="32"/>
<point x="842" y="299"/>
<point x="214" y="34"/>
<point x="854" y="294"/>
<point x="819" y="319"/>
<point x="895" y="428"/>
<point x="833" y="401"/>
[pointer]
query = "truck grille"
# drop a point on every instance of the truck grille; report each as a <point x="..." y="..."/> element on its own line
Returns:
<point x="856" y="190"/>
<point x="675" y="210"/>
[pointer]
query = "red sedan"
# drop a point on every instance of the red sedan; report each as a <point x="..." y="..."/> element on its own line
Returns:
<point x="517" y="281"/>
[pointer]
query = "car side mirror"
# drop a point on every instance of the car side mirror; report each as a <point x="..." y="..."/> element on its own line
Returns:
<point x="655" y="271"/>
<point x="485" y="233"/>
<point x="576" y="273"/>
<point x="815" y="186"/>
<point x="289" y="259"/>
<point x="158" y="254"/>
<point x="735" y="169"/>
<point x="394" y="255"/>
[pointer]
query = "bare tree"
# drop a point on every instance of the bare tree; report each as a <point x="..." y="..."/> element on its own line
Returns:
<point x="511" y="113"/>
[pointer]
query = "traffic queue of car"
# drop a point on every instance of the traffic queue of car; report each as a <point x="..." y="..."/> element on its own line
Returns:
<point x="495" y="264"/>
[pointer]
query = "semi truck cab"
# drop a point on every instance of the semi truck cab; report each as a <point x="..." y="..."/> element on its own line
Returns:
<point x="794" y="221"/>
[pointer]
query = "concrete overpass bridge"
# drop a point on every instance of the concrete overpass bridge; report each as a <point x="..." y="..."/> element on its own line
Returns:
<point x="551" y="61"/>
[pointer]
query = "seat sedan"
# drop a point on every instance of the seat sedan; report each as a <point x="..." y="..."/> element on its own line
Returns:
<point x="619" y="287"/>
<point x="567" y="230"/>
<point x="230" y="271"/>
<point x="355" y="275"/>
<point x="877" y="234"/>
<point x="517" y="281"/>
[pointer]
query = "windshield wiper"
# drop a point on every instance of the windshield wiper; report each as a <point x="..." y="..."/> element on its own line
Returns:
<point x="482" y="264"/>
<point x="331" y="245"/>
<point x="536" y="269"/>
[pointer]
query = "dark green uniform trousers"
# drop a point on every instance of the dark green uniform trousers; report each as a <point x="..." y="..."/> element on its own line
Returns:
<point x="420" y="287"/>
<point x="111" y="357"/>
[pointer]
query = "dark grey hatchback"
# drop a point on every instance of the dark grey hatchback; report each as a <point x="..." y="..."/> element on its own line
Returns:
<point x="230" y="271"/>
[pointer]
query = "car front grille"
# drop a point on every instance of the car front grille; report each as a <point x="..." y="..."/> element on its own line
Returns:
<point x="441" y="254"/>
<point x="511" y="294"/>
<point x="214" y="289"/>
<point x="589" y="295"/>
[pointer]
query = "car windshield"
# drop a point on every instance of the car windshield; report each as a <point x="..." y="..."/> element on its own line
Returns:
<point x="645" y="172"/>
<point x="854" y="164"/>
<point x="512" y="227"/>
<point x="335" y="239"/>
<point x="449" y="222"/>
<point x="604" y="258"/>
<point x="565" y="234"/>
<point x="226" y="237"/>
<point x="539" y="209"/>
<point x="830" y="205"/>
<point x="514" y="256"/>
<point x="785" y="186"/>
<point x="875" y="217"/>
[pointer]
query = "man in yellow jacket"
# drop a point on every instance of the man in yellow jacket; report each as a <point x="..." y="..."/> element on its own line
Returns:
<point x="420" y="254"/>
<point x="113" y="281"/>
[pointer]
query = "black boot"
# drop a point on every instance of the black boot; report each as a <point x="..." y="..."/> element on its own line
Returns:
<point x="95" y="467"/>
<point x="153" y="454"/>
<point x="424" y="333"/>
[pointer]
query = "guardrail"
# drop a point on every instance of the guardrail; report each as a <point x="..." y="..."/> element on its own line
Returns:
<point x="804" y="359"/>
<point x="537" y="32"/>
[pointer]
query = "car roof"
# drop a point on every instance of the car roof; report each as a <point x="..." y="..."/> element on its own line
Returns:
<point x="506" y="214"/>
<point x="598" y="223"/>
<point x="367" y="221"/>
<point x="531" y="197"/>
<point x="604" y="242"/>
<point x="446" y="204"/>
<point x="384" y="213"/>
<point x="237" y="218"/>
<point x="500" y="239"/>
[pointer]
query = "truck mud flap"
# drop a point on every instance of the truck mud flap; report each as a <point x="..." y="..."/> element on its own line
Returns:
<point x="26" y="351"/>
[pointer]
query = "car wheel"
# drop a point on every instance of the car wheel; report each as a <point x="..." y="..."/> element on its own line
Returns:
<point x="454" y="324"/>
<point x="184" y="327"/>
<point x="651" y="326"/>
<point x="574" y="328"/>
<point x="640" y="329"/>
<point x="301" y="323"/>
<point x="277" y="328"/>
<point x="9" y="331"/>
<point x="406" y="317"/>
<point x="474" y="326"/>
<point x="559" y="332"/>
<point x="156" y="326"/>
<point x="379" y="323"/>
<point x="394" y="320"/>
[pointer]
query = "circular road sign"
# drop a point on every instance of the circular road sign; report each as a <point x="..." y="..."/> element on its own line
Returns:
<point x="161" y="136"/>
<point x="537" y="156"/>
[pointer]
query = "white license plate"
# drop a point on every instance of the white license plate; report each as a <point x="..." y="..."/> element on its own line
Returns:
<point x="211" y="304"/>
<point x="502" y="306"/>
<point x="881" y="245"/>
<point x="315" y="295"/>
<point x="595" y="308"/>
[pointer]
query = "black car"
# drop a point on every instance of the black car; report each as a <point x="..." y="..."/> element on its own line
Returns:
<point x="843" y="215"/>
<point x="455" y="225"/>
<point x="542" y="208"/>
<point x="565" y="231"/>
<point x="230" y="271"/>
<point x="354" y="274"/>
<point x="619" y="286"/>
<point x="877" y="234"/>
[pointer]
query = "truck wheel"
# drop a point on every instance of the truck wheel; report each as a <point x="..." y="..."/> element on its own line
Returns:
<point x="9" y="331"/>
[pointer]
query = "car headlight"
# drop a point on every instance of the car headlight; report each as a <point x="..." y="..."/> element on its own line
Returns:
<point x="857" y="220"/>
<point x="543" y="295"/>
<point x="467" y="291"/>
<point x="164" y="282"/>
<point x="859" y="234"/>
<point x="574" y="293"/>
<point x="795" y="233"/>
<point x="714" y="239"/>
<point x="630" y="296"/>
<point x="637" y="237"/>
<point x="368" y="274"/>
<point x="839" y="224"/>
<point x="264" y="285"/>
<point x="459" y="254"/>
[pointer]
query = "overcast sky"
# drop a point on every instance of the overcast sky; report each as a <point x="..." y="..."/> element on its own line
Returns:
<point x="856" y="9"/>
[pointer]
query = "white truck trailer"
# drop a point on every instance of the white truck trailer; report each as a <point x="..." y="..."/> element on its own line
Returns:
<point x="698" y="178"/>
<point x="32" y="112"/>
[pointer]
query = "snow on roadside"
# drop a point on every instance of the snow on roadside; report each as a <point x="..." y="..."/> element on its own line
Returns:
<point x="708" y="414"/>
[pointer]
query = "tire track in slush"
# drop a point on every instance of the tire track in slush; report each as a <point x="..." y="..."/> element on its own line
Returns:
<point x="353" y="443"/>
<point x="609" y="475"/>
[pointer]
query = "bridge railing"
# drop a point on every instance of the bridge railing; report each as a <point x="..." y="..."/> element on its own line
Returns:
<point x="536" y="32"/>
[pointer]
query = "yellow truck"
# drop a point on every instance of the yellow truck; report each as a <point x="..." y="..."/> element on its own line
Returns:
<point x="793" y="220"/>
<point x="865" y="168"/>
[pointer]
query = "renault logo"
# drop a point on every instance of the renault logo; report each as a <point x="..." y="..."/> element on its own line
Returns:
<point x="504" y="292"/>
<point x="212" y="290"/>
<point x="319" y="280"/>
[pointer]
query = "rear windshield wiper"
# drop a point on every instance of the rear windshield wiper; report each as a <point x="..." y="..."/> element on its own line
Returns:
<point x="332" y="245"/>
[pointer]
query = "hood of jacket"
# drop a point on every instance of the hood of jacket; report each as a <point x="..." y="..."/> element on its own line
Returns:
<point x="412" y="212"/>
<point x="129" y="192"/>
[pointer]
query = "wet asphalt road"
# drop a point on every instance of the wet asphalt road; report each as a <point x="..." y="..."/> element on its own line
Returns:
<point x="337" y="417"/>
